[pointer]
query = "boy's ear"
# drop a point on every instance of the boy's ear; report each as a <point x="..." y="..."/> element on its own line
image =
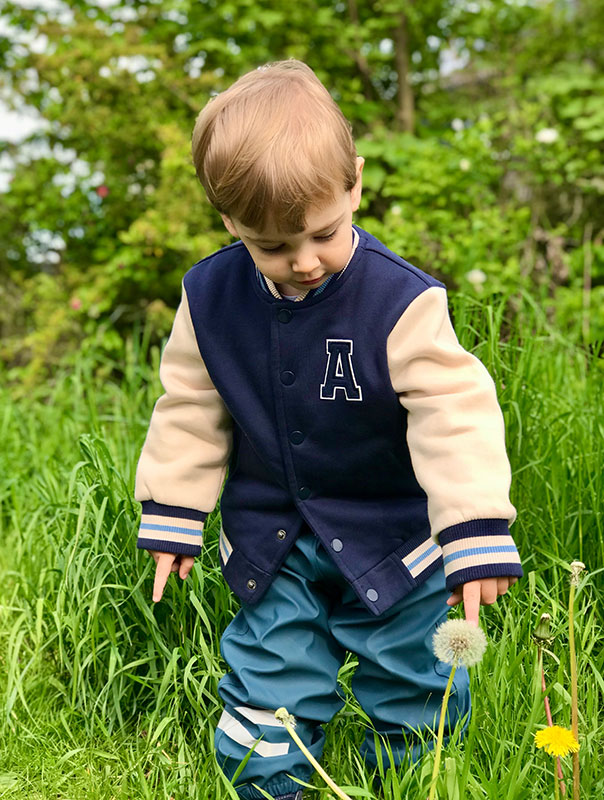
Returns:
<point x="228" y="224"/>
<point x="357" y="189"/>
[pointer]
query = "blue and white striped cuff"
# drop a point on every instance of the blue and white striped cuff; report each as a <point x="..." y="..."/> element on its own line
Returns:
<point x="171" y="529"/>
<point x="478" y="549"/>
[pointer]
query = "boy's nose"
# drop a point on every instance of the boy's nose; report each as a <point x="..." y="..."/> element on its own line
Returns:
<point x="305" y="261"/>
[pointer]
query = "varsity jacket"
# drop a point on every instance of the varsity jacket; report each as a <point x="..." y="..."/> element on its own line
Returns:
<point x="355" y="412"/>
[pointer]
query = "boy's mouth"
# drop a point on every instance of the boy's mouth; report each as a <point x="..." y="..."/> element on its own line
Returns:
<point x="309" y="283"/>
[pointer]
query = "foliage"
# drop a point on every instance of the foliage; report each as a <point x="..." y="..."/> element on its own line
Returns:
<point x="499" y="187"/>
<point x="439" y="207"/>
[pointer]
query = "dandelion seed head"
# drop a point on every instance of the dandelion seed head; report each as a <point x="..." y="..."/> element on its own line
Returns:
<point x="556" y="741"/>
<point x="456" y="641"/>
<point x="576" y="568"/>
<point x="283" y="715"/>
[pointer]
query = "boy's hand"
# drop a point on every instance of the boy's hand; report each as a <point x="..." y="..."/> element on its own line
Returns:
<point x="477" y="593"/>
<point x="167" y="563"/>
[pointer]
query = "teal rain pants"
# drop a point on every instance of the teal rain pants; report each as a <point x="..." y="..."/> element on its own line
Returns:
<point x="287" y="650"/>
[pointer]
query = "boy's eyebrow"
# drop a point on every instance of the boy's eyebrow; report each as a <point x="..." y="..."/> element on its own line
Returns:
<point x="321" y="231"/>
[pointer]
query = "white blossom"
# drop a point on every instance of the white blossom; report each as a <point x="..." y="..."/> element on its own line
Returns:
<point x="546" y="135"/>
<point x="476" y="277"/>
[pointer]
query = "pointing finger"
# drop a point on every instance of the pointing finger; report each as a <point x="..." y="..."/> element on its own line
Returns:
<point x="162" y="572"/>
<point x="471" y="601"/>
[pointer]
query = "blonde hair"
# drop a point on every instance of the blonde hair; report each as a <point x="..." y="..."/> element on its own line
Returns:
<point x="273" y="145"/>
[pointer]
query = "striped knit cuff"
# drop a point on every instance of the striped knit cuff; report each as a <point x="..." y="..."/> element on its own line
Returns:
<point x="480" y="548"/>
<point x="170" y="529"/>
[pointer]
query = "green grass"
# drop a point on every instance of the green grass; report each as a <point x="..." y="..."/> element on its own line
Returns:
<point x="104" y="695"/>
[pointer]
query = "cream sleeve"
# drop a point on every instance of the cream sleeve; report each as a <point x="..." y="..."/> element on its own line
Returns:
<point x="455" y="434"/>
<point x="185" y="455"/>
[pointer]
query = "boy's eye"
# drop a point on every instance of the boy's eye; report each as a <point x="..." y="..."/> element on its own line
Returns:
<point x="276" y="249"/>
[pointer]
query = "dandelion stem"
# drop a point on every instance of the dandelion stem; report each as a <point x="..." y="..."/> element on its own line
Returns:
<point x="441" y="729"/>
<point x="283" y="718"/>
<point x="548" y="714"/>
<point x="574" y="690"/>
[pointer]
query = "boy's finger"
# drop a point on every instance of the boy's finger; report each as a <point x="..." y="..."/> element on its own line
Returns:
<point x="471" y="601"/>
<point x="186" y="565"/>
<point x="488" y="591"/>
<point x="162" y="572"/>
<point x="456" y="597"/>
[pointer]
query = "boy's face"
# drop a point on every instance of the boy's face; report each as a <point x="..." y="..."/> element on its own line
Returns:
<point x="300" y="261"/>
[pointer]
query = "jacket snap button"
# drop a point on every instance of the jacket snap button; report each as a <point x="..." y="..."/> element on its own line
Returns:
<point x="336" y="544"/>
<point x="296" y="437"/>
<point x="287" y="378"/>
<point x="284" y="315"/>
<point x="251" y="584"/>
<point x="281" y="534"/>
<point x="304" y="493"/>
<point x="372" y="595"/>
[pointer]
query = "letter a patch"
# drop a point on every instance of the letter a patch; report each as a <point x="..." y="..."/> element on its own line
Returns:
<point x="339" y="374"/>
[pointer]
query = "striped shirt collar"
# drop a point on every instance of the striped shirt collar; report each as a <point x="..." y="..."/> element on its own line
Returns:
<point x="269" y="286"/>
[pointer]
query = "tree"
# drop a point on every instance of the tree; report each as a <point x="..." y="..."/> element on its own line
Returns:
<point x="104" y="214"/>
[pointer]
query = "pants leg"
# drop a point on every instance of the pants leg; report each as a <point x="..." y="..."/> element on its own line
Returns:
<point x="281" y="654"/>
<point x="399" y="681"/>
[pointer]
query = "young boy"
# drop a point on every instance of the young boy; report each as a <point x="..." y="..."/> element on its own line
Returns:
<point x="364" y="446"/>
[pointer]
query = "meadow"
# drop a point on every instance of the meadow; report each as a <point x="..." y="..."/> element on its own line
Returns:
<point x="105" y="696"/>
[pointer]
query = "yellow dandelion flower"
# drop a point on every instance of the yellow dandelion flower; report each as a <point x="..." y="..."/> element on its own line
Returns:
<point x="556" y="741"/>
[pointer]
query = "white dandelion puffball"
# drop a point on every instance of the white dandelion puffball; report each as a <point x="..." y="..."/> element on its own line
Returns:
<point x="465" y="164"/>
<point x="547" y="135"/>
<point x="459" y="642"/>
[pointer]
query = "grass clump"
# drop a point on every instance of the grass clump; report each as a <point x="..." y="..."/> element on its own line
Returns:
<point x="105" y="695"/>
